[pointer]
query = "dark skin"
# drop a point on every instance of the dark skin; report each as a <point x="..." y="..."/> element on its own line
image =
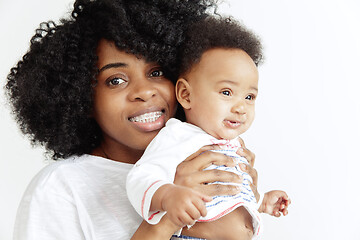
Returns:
<point x="128" y="88"/>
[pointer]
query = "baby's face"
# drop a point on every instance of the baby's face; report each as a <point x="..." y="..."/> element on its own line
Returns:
<point x="223" y="89"/>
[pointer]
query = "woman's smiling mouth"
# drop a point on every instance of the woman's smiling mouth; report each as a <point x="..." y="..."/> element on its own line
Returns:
<point x="149" y="121"/>
<point x="147" y="117"/>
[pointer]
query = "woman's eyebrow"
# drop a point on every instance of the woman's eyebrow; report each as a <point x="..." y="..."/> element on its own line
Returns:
<point x="113" y="65"/>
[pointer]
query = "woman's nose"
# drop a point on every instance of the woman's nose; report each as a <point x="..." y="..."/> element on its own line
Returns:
<point x="142" y="90"/>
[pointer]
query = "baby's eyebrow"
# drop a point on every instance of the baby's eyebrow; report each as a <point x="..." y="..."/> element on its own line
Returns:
<point x="235" y="83"/>
<point x="255" y="89"/>
<point x="227" y="81"/>
<point x="113" y="65"/>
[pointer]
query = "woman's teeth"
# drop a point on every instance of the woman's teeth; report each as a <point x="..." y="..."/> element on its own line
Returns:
<point x="147" y="117"/>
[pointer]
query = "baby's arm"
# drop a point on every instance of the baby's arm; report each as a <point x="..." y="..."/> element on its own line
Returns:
<point x="182" y="204"/>
<point x="275" y="202"/>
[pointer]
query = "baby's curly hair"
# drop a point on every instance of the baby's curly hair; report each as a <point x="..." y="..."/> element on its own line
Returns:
<point x="218" y="32"/>
<point x="51" y="88"/>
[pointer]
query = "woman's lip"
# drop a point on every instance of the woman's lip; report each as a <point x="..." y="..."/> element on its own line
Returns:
<point x="147" y="110"/>
<point x="147" y="117"/>
<point x="150" y="126"/>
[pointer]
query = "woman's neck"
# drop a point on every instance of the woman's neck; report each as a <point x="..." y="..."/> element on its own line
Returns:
<point x="119" y="154"/>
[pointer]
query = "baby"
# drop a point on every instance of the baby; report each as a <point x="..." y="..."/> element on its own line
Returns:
<point x="217" y="89"/>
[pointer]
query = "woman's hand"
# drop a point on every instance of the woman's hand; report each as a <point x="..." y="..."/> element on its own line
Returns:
<point x="190" y="172"/>
<point x="161" y="231"/>
<point x="250" y="157"/>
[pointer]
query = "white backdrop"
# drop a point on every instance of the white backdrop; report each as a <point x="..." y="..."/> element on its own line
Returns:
<point x="306" y="132"/>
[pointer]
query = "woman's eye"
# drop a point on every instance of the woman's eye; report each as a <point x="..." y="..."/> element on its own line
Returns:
<point x="116" y="81"/>
<point x="226" y="92"/>
<point x="157" y="73"/>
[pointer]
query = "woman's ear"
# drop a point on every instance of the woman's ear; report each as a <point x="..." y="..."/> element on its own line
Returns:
<point x="182" y="91"/>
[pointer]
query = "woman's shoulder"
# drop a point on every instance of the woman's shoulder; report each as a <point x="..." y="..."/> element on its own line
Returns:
<point x="62" y="193"/>
<point x="84" y="195"/>
<point x="75" y="168"/>
<point x="62" y="166"/>
<point x="54" y="174"/>
<point x="67" y="174"/>
<point x="49" y="189"/>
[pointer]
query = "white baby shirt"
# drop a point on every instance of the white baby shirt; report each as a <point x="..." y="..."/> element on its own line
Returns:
<point x="174" y="143"/>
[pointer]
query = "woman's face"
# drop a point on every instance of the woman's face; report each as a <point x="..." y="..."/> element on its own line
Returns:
<point x="132" y="102"/>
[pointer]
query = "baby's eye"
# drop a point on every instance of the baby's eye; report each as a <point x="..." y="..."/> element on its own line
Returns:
<point x="157" y="73"/>
<point x="226" y="92"/>
<point x="116" y="81"/>
<point x="250" y="97"/>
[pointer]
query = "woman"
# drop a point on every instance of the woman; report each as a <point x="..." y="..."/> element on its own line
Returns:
<point x="95" y="90"/>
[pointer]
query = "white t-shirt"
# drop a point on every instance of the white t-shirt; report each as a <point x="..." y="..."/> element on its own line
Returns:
<point x="77" y="198"/>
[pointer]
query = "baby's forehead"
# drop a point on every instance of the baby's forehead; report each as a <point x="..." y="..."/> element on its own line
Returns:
<point x="225" y="66"/>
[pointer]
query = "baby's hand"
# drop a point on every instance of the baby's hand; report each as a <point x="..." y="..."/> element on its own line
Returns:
<point x="184" y="205"/>
<point x="275" y="202"/>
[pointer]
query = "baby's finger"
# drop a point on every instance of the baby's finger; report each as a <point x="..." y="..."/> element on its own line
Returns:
<point x="194" y="213"/>
<point x="285" y="212"/>
<point x="283" y="195"/>
<point x="186" y="219"/>
<point x="276" y="214"/>
<point x="200" y="204"/>
<point x="282" y="206"/>
<point x="178" y="222"/>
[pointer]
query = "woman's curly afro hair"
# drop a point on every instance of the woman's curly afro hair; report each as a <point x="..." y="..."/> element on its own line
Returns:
<point x="218" y="32"/>
<point x="51" y="88"/>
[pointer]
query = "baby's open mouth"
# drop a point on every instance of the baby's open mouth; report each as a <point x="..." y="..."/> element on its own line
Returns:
<point x="232" y="124"/>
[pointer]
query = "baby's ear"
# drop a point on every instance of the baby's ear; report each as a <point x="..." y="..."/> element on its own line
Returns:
<point x="182" y="91"/>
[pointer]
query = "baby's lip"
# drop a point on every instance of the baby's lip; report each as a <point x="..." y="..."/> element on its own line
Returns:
<point x="233" y="123"/>
<point x="235" y="120"/>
